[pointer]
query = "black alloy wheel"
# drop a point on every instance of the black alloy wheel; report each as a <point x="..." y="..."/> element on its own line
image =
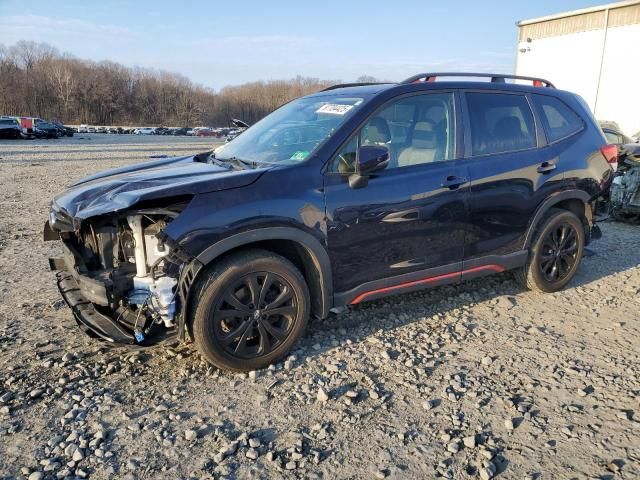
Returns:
<point x="559" y="252"/>
<point x="248" y="310"/>
<point x="255" y="314"/>
<point x="555" y="253"/>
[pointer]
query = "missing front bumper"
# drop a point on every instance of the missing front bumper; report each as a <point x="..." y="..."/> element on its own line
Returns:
<point x="87" y="315"/>
<point x="96" y="324"/>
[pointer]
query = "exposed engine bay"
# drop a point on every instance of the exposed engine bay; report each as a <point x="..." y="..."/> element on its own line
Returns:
<point x="124" y="266"/>
<point x="625" y="189"/>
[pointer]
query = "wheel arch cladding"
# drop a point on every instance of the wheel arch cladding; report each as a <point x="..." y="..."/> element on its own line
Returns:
<point x="575" y="201"/>
<point x="299" y="247"/>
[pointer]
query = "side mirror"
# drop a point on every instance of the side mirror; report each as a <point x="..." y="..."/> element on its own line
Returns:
<point x="370" y="159"/>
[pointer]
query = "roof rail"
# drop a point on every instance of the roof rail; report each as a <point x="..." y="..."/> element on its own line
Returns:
<point x="495" y="78"/>
<point x="345" y="85"/>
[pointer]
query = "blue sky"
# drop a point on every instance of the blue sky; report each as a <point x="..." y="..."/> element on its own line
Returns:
<point x="218" y="43"/>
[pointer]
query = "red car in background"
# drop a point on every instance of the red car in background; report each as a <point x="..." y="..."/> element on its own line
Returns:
<point x="203" y="132"/>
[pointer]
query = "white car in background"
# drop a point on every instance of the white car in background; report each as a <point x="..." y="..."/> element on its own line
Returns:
<point x="145" y="131"/>
<point x="636" y="137"/>
<point x="83" y="129"/>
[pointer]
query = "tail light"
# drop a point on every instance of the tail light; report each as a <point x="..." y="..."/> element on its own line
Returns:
<point x="610" y="154"/>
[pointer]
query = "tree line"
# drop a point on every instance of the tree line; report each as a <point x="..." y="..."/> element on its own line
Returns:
<point x="38" y="81"/>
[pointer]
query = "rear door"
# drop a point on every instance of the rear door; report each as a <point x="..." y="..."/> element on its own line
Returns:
<point x="510" y="172"/>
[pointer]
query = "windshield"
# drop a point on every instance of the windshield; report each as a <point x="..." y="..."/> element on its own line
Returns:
<point x="293" y="132"/>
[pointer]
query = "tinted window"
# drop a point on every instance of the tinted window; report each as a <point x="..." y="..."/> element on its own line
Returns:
<point x="558" y="119"/>
<point x="500" y="123"/>
<point x="416" y="130"/>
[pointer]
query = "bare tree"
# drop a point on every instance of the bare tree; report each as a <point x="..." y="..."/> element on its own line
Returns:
<point x="64" y="85"/>
<point x="36" y="80"/>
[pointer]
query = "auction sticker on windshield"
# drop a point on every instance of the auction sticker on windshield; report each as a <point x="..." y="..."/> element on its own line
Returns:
<point x="334" y="108"/>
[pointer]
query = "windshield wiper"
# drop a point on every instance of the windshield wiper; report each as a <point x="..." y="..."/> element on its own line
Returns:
<point x="240" y="162"/>
<point x="218" y="162"/>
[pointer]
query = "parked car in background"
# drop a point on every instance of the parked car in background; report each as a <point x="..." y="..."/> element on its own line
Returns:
<point x="64" y="131"/>
<point x="625" y="189"/>
<point x="384" y="194"/>
<point x="44" y="129"/>
<point x="232" y="134"/>
<point x="203" y="132"/>
<point x="240" y="125"/>
<point x="91" y="129"/>
<point x="10" y="127"/>
<point x="180" y="131"/>
<point x="145" y="131"/>
<point x="614" y="134"/>
<point x="83" y="129"/>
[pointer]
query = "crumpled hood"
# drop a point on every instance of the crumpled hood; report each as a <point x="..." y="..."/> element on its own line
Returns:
<point x="120" y="188"/>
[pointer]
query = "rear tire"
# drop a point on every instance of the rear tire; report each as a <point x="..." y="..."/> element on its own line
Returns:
<point x="250" y="309"/>
<point x="556" y="253"/>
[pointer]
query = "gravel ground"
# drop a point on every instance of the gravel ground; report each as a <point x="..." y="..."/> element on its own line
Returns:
<point x="479" y="380"/>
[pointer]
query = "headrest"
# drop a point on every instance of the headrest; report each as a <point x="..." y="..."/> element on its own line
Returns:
<point x="376" y="131"/>
<point x="423" y="136"/>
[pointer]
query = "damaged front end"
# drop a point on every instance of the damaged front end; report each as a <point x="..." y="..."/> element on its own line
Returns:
<point x="122" y="272"/>
<point x="125" y="280"/>
<point x="625" y="188"/>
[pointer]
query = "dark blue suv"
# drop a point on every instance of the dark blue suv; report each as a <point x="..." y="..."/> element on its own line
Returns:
<point x="336" y="198"/>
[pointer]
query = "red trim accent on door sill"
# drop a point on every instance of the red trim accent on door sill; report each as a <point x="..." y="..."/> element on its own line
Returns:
<point x="362" y="296"/>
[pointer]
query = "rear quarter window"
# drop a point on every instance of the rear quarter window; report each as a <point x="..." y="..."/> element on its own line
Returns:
<point x="500" y="123"/>
<point x="558" y="120"/>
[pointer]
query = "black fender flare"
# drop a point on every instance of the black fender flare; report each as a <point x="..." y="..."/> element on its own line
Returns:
<point x="312" y="245"/>
<point x="549" y="202"/>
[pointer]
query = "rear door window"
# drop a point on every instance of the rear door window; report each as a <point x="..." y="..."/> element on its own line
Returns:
<point x="500" y="123"/>
<point x="558" y="119"/>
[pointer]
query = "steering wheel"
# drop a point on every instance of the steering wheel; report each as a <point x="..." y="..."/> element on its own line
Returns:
<point x="345" y="165"/>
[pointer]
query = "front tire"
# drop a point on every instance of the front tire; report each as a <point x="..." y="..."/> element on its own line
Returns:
<point x="250" y="309"/>
<point x="556" y="253"/>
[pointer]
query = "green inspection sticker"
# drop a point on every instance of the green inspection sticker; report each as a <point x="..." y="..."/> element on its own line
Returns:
<point x="299" y="155"/>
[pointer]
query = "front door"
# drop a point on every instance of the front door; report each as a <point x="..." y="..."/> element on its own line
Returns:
<point x="407" y="225"/>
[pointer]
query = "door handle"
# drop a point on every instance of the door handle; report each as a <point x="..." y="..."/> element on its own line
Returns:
<point x="452" y="182"/>
<point x="546" y="167"/>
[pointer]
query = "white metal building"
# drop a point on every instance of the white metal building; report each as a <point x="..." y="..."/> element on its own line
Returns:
<point x="594" y="52"/>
